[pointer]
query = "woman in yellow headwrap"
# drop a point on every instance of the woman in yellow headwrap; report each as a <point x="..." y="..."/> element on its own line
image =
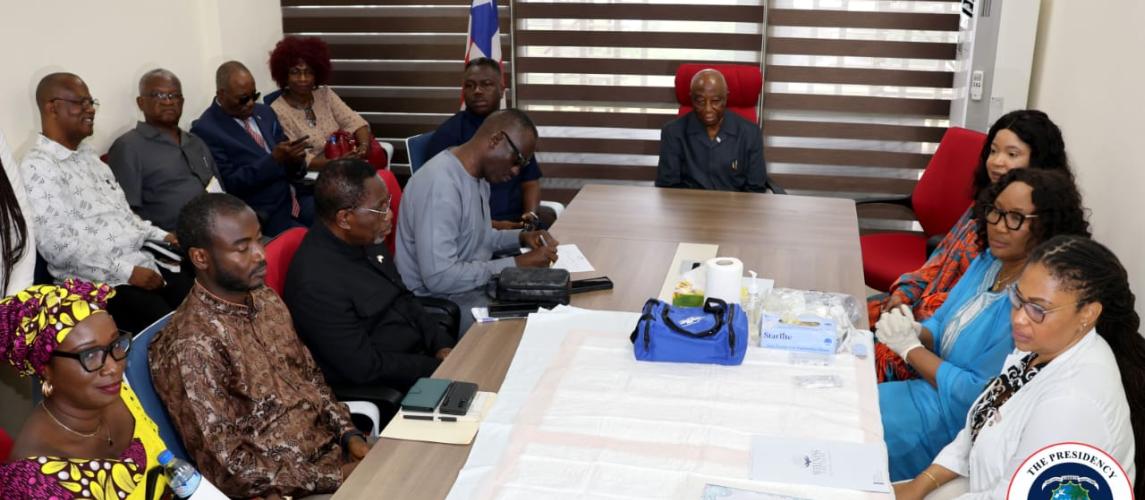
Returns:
<point x="89" y="438"/>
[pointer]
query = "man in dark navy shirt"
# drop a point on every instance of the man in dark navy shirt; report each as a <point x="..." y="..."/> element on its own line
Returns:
<point x="711" y="149"/>
<point x="511" y="203"/>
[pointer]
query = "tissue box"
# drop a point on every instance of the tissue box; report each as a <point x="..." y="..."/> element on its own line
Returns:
<point x="806" y="334"/>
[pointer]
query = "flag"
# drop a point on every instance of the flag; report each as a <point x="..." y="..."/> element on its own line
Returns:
<point x="484" y="31"/>
<point x="485" y="37"/>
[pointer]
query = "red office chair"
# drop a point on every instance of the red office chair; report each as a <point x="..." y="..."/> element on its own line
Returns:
<point x="395" y="190"/>
<point x="744" y="86"/>
<point x="279" y="253"/>
<point x="938" y="200"/>
<point x="5" y="446"/>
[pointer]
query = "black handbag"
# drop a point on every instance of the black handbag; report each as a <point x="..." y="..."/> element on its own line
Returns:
<point x="542" y="286"/>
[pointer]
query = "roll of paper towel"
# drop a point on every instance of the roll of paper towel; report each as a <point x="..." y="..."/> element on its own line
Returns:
<point x="724" y="277"/>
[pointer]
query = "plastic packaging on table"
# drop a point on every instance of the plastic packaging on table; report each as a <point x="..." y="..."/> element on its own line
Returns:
<point x="790" y="303"/>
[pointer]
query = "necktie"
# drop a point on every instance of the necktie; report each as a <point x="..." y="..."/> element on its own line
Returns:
<point x="295" y="208"/>
<point x="254" y="134"/>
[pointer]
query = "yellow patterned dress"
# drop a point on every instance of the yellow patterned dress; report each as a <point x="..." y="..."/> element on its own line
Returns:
<point x="61" y="478"/>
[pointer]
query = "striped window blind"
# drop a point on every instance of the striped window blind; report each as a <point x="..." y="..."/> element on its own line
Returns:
<point x="856" y="92"/>
<point x="856" y="96"/>
<point x="397" y="62"/>
<point x="598" y="77"/>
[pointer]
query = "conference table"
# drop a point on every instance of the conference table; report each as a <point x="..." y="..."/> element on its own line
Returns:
<point x="630" y="234"/>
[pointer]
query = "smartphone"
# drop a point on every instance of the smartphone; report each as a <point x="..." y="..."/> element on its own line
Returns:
<point x="425" y="394"/>
<point x="512" y="309"/>
<point x="590" y="284"/>
<point x="458" y="398"/>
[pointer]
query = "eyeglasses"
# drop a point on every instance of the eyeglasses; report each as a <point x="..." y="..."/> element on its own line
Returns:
<point x="83" y="103"/>
<point x="244" y="99"/>
<point x="1036" y="312"/>
<point x="385" y="208"/>
<point x="383" y="211"/>
<point x="1014" y="218"/>
<point x="521" y="160"/>
<point x="164" y="96"/>
<point x="93" y="359"/>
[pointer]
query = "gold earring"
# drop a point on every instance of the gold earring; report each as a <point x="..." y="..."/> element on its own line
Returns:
<point x="46" y="389"/>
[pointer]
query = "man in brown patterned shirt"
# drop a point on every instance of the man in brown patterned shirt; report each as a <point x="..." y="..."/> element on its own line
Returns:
<point x="243" y="391"/>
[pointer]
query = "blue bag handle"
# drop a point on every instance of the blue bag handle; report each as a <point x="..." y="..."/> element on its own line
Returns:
<point x="713" y="306"/>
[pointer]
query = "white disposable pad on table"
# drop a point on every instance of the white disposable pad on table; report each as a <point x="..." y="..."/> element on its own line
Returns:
<point x="578" y="418"/>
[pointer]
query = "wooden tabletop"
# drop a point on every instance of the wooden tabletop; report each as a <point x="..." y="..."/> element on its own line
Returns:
<point x="630" y="235"/>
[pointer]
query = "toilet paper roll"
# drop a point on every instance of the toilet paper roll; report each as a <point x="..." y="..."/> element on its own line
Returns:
<point x="724" y="277"/>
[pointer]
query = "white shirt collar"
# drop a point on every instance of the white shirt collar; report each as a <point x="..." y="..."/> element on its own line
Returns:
<point x="59" y="151"/>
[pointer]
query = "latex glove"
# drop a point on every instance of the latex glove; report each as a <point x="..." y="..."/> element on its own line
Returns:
<point x="899" y="331"/>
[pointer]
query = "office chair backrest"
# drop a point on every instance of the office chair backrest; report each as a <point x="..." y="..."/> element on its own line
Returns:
<point x="944" y="191"/>
<point x="395" y="190"/>
<point x="5" y="446"/>
<point x="279" y="253"/>
<point x="417" y="147"/>
<point x="745" y="82"/>
<point x="138" y="374"/>
<point x="271" y="97"/>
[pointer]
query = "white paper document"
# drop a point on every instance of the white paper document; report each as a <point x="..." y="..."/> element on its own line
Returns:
<point x="570" y="258"/>
<point x="857" y="466"/>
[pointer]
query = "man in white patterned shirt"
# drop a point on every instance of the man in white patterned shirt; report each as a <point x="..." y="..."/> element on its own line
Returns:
<point x="86" y="228"/>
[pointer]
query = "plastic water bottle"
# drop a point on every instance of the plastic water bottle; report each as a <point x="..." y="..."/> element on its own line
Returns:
<point x="181" y="476"/>
<point x="753" y="306"/>
<point x="185" y="481"/>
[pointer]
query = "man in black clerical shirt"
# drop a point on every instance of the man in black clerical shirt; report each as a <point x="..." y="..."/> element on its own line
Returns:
<point x="711" y="149"/>
<point x="362" y="325"/>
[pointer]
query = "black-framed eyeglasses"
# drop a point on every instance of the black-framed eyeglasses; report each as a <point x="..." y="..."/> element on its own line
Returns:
<point x="1036" y="312"/>
<point x="521" y="160"/>
<point x="83" y="103"/>
<point x="244" y="99"/>
<point x="1014" y="218"/>
<point x="94" y="358"/>
<point x="166" y="96"/>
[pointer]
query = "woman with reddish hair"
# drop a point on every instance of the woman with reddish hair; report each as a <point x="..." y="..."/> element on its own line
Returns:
<point x="307" y="107"/>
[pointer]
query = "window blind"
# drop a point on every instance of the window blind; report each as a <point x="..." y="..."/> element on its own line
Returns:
<point x="856" y="96"/>
<point x="856" y="92"/>
<point x="598" y="77"/>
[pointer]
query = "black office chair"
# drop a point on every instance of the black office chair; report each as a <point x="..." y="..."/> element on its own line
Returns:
<point x="446" y="312"/>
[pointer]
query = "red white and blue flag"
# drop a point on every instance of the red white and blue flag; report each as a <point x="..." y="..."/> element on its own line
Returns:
<point x="484" y="31"/>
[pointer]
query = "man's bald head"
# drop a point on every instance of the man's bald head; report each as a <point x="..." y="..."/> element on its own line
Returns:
<point x="709" y="97"/>
<point x="67" y="110"/>
<point x="155" y="76"/>
<point x="226" y="71"/>
<point x="235" y="90"/>
<point x="51" y="85"/>
<point x="506" y="140"/>
<point x="709" y="77"/>
<point x="508" y="119"/>
<point x="160" y="98"/>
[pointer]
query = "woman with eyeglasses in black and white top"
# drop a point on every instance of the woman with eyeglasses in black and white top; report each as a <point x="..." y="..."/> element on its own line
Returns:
<point x="1077" y="350"/>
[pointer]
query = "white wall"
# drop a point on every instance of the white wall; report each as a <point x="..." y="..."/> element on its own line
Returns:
<point x="1088" y="73"/>
<point x="110" y="45"/>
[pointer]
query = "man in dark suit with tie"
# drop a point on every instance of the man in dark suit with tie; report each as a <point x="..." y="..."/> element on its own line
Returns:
<point x="349" y="304"/>
<point x="254" y="157"/>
